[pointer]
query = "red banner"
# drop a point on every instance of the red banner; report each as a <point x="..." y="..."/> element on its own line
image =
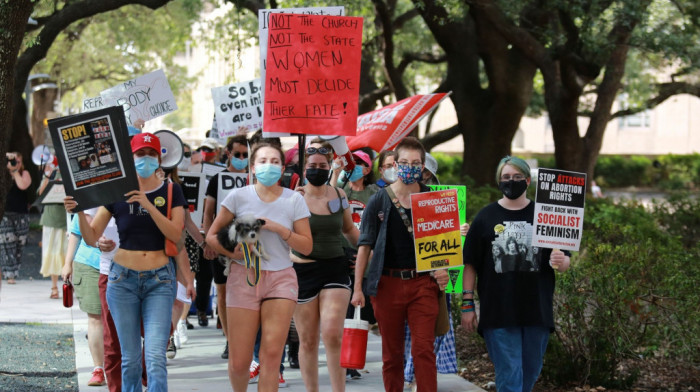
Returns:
<point x="312" y="79"/>
<point x="384" y="128"/>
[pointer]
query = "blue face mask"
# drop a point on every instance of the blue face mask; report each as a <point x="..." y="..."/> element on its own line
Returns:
<point x="268" y="174"/>
<point x="409" y="173"/>
<point x="146" y="166"/>
<point x="239" y="164"/>
<point x="354" y="176"/>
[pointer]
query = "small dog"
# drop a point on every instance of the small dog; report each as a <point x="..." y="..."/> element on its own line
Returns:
<point x="242" y="229"/>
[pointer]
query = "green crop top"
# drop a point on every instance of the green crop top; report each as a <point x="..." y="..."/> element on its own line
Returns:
<point x="327" y="234"/>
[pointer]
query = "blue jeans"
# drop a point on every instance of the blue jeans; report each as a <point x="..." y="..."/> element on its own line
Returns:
<point x="517" y="355"/>
<point x="142" y="296"/>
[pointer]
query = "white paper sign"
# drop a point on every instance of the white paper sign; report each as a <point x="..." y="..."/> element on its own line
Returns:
<point x="263" y="18"/>
<point x="237" y="106"/>
<point x="90" y="104"/>
<point x="146" y="97"/>
<point x="227" y="183"/>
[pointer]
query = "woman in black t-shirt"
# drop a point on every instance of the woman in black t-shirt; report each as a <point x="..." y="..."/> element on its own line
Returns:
<point x="515" y="293"/>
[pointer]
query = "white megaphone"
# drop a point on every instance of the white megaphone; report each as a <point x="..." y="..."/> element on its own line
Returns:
<point x="340" y="146"/>
<point x="41" y="155"/>
<point x="171" y="149"/>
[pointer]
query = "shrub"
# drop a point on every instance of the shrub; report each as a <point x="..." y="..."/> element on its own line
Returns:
<point x="618" y="171"/>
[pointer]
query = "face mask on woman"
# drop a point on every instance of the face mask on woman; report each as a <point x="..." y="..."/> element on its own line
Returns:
<point x="146" y="166"/>
<point x="512" y="189"/>
<point x="268" y="174"/>
<point x="390" y="175"/>
<point x="317" y="177"/>
<point x="409" y="173"/>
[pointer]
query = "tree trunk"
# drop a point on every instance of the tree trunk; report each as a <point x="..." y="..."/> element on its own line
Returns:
<point x="13" y="22"/>
<point x="42" y="103"/>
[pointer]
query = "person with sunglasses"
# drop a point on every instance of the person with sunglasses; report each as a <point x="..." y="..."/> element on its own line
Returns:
<point x="398" y="293"/>
<point x="324" y="284"/>
<point x="210" y="265"/>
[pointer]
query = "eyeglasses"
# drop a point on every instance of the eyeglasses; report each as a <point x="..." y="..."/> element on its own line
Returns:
<point x="334" y="205"/>
<point x="414" y="163"/>
<point x="320" y="150"/>
<point x="514" y="177"/>
<point x="387" y="166"/>
<point x="187" y="154"/>
<point x="240" y="155"/>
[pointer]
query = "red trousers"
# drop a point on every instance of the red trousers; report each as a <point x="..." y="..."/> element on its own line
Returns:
<point x="416" y="301"/>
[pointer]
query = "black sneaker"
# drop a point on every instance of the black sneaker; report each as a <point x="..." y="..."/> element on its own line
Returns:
<point x="172" y="350"/>
<point x="202" y="319"/>
<point x="352" y="374"/>
<point x="188" y="324"/>
<point x="293" y="362"/>
<point x="224" y="355"/>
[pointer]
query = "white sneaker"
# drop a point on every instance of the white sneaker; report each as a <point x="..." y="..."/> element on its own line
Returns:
<point x="176" y="340"/>
<point x="181" y="330"/>
<point x="254" y="372"/>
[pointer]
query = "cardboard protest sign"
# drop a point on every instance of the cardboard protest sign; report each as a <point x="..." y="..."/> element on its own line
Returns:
<point x="263" y="24"/>
<point x="384" y="128"/>
<point x="146" y="97"/>
<point x="228" y="182"/>
<point x="436" y="230"/>
<point x="194" y="186"/>
<point x="559" y="207"/>
<point x="237" y="106"/>
<point x="53" y="194"/>
<point x="211" y="169"/>
<point x="90" y="104"/>
<point x="94" y="156"/>
<point x="312" y="79"/>
<point x="455" y="283"/>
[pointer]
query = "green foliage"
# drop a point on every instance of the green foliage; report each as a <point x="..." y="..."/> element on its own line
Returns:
<point x="668" y="172"/>
<point x="617" y="171"/>
<point x="631" y="292"/>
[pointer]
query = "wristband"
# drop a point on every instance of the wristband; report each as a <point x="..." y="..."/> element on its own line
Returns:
<point x="467" y="292"/>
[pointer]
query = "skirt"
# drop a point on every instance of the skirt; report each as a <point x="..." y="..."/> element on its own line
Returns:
<point x="53" y="250"/>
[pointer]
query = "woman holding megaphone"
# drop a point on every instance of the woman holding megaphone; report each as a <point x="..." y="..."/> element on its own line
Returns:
<point x="142" y="281"/>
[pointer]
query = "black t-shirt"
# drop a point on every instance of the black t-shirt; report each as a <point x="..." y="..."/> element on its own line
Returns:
<point x="137" y="230"/>
<point x="400" y="252"/>
<point x="213" y="186"/>
<point x="515" y="282"/>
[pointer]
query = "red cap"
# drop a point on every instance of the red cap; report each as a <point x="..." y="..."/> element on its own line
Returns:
<point x="143" y="140"/>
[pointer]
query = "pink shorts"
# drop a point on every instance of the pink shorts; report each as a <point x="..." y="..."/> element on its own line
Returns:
<point x="272" y="285"/>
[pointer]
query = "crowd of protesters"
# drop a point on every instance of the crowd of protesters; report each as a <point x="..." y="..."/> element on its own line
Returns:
<point x="329" y="241"/>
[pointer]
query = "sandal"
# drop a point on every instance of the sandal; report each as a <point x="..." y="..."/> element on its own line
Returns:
<point x="54" y="293"/>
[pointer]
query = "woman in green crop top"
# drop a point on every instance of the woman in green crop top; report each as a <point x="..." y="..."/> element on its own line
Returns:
<point x="324" y="284"/>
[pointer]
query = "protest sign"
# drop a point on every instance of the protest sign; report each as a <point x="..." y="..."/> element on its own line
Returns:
<point x="559" y="207"/>
<point x="263" y="24"/>
<point x="384" y="128"/>
<point x="228" y="182"/>
<point x="53" y="194"/>
<point x="312" y="79"/>
<point x="237" y="106"/>
<point x="90" y="104"/>
<point x="94" y="156"/>
<point x="436" y="230"/>
<point x="211" y="169"/>
<point x="194" y="187"/>
<point x="455" y="273"/>
<point x="146" y="97"/>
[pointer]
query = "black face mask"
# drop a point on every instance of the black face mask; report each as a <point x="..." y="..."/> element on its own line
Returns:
<point x="512" y="189"/>
<point x="317" y="177"/>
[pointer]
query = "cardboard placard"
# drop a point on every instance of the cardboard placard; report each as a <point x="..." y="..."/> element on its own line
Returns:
<point x="455" y="283"/>
<point x="211" y="169"/>
<point x="90" y="104"/>
<point x="54" y="193"/>
<point x="559" y="208"/>
<point x="237" y="107"/>
<point x="94" y="156"/>
<point x="145" y="97"/>
<point x="312" y="78"/>
<point x="227" y="182"/>
<point x="194" y="186"/>
<point x="436" y="230"/>
<point x="263" y="23"/>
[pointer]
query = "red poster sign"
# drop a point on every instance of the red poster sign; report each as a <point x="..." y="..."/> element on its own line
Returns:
<point x="384" y="128"/>
<point x="312" y="80"/>
<point x="436" y="230"/>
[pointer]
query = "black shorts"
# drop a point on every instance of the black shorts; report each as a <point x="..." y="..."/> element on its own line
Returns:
<point x="321" y="274"/>
<point x="217" y="269"/>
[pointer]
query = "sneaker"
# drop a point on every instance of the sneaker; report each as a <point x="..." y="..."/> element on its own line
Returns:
<point x="202" y="319"/>
<point x="172" y="350"/>
<point x="224" y="355"/>
<point x="182" y="331"/>
<point x="352" y="374"/>
<point x="176" y="337"/>
<point x="293" y="362"/>
<point x="254" y="372"/>
<point x="283" y="384"/>
<point x="98" y="378"/>
<point x="189" y="324"/>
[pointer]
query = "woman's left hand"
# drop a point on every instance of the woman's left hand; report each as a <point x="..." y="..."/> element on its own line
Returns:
<point x="559" y="261"/>
<point x="442" y="278"/>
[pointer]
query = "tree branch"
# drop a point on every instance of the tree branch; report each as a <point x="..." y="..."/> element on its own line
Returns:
<point x="435" y="138"/>
<point x="429" y="58"/>
<point x="404" y="18"/>
<point x="394" y="75"/>
<point x="666" y="91"/>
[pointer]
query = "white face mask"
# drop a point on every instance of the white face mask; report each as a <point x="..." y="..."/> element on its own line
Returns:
<point x="390" y="175"/>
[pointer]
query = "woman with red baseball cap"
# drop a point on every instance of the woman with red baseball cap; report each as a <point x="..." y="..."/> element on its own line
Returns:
<point x="142" y="280"/>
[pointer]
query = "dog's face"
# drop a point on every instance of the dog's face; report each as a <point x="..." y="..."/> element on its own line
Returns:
<point x="249" y="230"/>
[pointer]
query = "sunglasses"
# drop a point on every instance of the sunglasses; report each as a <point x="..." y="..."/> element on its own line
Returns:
<point x="334" y="205"/>
<point x="320" y="150"/>
<point x="240" y="155"/>
<point x="187" y="154"/>
<point x="205" y="149"/>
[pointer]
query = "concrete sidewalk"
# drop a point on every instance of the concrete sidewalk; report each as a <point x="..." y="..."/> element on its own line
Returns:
<point x="198" y="365"/>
